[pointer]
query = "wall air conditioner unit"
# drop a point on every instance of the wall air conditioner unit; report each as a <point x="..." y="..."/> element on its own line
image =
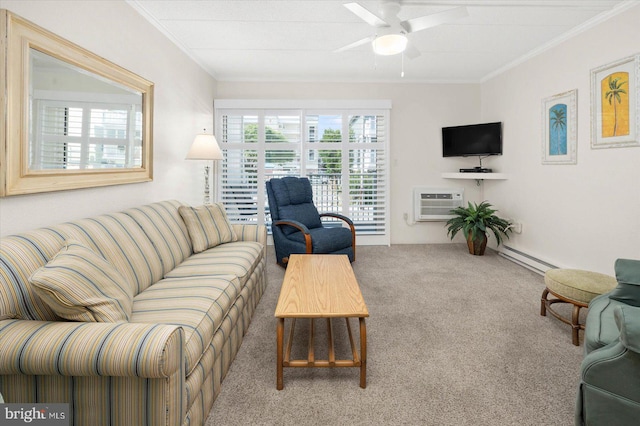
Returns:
<point x="434" y="204"/>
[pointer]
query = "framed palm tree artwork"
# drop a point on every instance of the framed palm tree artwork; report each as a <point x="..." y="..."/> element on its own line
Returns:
<point x="615" y="104"/>
<point x="559" y="133"/>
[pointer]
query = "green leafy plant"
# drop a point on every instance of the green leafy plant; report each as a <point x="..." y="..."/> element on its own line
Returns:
<point x="476" y="220"/>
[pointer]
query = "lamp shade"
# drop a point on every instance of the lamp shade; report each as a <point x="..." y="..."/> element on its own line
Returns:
<point x="390" y="44"/>
<point x="204" y="147"/>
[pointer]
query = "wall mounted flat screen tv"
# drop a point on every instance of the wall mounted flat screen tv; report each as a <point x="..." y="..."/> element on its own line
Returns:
<point x="474" y="139"/>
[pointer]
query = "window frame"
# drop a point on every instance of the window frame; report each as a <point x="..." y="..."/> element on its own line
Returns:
<point x="303" y="109"/>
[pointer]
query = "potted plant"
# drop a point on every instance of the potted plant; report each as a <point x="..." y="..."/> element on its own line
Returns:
<point x="475" y="221"/>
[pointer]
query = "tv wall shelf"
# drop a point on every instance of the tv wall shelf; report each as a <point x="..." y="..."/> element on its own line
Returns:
<point x="475" y="176"/>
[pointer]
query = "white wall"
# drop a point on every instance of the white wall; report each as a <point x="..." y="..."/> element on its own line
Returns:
<point x="581" y="216"/>
<point x="417" y="115"/>
<point x="183" y="106"/>
<point x="585" y="215"/>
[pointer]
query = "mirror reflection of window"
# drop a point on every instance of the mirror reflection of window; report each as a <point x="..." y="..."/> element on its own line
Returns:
<point x="80" y="120"/>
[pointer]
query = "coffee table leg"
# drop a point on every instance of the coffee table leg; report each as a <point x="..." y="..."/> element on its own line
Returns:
<point x="279" y="338"/>
<point x="363" y="354"/>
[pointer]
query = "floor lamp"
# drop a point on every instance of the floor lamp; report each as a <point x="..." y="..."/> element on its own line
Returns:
<point x="205" y="147"/>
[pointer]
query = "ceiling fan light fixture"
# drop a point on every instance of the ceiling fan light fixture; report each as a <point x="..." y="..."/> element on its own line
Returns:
<point x="390" y="44"/>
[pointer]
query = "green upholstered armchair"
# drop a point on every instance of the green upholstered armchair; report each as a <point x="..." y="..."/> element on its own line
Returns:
<point x="609" y="391"/>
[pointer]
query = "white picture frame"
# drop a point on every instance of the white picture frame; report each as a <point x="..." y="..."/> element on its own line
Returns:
<point x="615" y="104"/>
<point x="559" y="128"/>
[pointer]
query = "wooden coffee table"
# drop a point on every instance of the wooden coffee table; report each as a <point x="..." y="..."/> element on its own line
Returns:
<point x="320" y="286"/>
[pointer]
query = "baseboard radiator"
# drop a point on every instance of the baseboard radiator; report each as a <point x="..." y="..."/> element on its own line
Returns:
<point x="523" y="259"/>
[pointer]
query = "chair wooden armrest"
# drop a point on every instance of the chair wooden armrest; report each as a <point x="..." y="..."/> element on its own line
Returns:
<point x="338" y="216"/>
<point x="300" y="227"/>
<point x="351" y="226"/>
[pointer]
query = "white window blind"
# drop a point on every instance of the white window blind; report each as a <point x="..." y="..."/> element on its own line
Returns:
<point x="240" y="176"/>
<point x="85" y="135"/>
<point x="342" y="152"/>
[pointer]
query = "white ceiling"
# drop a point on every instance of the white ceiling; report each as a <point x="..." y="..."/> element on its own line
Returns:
<point x="279" y="40"/>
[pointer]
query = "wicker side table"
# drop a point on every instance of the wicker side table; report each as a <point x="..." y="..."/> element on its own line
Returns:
<point x="573" y="286"/>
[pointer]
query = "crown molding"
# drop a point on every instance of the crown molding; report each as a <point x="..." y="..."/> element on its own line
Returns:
<point x="135" y="4"/>
<point x="596" y="20"/>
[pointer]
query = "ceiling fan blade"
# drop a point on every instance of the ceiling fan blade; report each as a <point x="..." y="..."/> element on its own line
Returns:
<point x="367" y="16"/>
<point x="424" y="22"/>
<point x="411" y="51"/>
<point x="354" y="44"/>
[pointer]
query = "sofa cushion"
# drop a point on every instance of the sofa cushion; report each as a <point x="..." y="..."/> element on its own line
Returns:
<point x="600" y="326"/>
<point x="198" y="304"/>
<point x="628" y="322"/>
<point x="628" y="277"/>
<point x="208" y="226"/>
<point x="118" y="238"/>
<point x="239" y="258"/>
<point x="80" y="285"/>
<point x="164" y="226"/>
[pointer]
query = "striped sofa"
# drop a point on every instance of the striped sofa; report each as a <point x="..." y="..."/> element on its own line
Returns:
<point x="162" y="367"/>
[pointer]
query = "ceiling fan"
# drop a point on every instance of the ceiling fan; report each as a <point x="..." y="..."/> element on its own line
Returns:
<point x="391" y="32"/>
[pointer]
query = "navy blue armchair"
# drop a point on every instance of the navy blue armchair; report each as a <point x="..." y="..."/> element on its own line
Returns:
<point x="297" y="227"/>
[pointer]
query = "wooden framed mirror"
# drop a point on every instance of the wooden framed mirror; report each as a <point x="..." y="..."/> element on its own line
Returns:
<point x="71" y="118"/>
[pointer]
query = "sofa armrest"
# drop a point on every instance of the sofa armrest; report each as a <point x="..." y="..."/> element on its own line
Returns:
<point x="609" y="374"/>
<point x="247" y="232"/>
<point x="628" y="322"/>
<point x="90" y="349"/>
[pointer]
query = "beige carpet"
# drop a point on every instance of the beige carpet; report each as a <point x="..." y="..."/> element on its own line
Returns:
<point x="453" y="339"/>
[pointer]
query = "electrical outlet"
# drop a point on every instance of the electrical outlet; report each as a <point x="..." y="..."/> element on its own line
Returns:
<point x="517" y="227"/>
